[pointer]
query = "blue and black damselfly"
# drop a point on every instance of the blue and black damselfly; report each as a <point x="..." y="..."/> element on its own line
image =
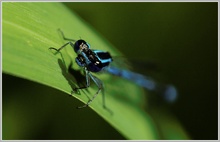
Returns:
<point x="93" y="61"/>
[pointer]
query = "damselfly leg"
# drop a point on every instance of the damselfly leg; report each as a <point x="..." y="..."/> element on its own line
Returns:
<point x="98" y="83"/>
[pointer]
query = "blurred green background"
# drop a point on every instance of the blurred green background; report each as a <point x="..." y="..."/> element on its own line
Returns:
<point x="180" y="38"/>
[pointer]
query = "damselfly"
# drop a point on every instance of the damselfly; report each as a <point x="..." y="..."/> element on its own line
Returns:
<point x="93" y="61"/>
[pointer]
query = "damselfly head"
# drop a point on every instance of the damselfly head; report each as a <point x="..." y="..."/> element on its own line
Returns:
<point x="81" y="45"/>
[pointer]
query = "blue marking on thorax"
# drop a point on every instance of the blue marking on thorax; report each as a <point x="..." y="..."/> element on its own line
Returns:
<point x="86" y="58"/>
<point x="107" y="59"/>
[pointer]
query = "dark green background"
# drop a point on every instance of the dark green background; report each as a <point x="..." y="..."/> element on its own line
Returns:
<point x="180" y="38"/>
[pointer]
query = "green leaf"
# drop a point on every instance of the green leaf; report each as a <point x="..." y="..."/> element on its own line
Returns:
<point x="29" y="29"/>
